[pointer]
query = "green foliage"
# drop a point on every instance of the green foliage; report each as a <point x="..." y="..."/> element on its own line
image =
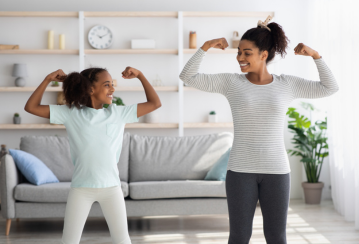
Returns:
<point x="115" y="100"/>
<point x="310" y="141"/>
<point x="212" y="112"/>
<point x="16" y="115"/>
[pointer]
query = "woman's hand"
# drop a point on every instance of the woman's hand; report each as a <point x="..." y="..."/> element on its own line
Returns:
<point x="58" y="75"/>
<point x="220" y="43"/>
<point x="304" y="50"/>
<point x="130" y="73"/>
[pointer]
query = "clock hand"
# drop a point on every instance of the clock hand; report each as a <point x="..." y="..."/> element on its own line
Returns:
<point x="99" y="36"/>
<point x="104" y="35"/>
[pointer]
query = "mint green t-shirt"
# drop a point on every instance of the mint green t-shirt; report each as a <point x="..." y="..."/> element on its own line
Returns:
<point x="95" y="137"/>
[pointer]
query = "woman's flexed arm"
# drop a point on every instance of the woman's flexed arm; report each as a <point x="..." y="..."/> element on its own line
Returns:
<point x="216" y="83"/>
<point x="303" y="88"/>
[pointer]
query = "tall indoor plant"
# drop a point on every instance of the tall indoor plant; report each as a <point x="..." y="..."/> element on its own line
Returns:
<point x="311" y="145"/>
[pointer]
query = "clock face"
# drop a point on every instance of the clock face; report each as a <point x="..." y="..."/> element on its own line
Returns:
<point x="100" y="37"/>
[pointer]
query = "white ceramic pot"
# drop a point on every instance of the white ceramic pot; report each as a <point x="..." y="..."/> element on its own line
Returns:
<point x="212" y="118"/>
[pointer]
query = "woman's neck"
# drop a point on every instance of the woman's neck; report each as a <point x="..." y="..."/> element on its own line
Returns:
<point x="262" y="76"/>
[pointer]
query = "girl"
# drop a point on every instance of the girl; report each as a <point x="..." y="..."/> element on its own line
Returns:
<point x="258" y="166"/>
<point x="95" y="137"/>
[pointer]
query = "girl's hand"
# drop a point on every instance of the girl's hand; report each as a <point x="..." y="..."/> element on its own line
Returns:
<point x="58" y="75"/>
<point x="130" y="73"/>
<point x="220" y="43"/>
<point x="304" y="50"/>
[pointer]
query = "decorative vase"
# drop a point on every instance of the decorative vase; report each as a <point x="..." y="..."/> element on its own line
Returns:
<point x="212" y="118"/>
<point x="17" y="120"/>
<point x="235" y="39"/>
<point x="20" y="82"/>
<point x="192" y="40"/>
<point x="312" y="192"/>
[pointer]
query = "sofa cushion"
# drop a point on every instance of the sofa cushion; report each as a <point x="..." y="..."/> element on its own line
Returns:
<point x="53" y="192"/>
<point x="177" y="189"/>
<point x="34" y="170"/>
<point x="157" y="158"/>
<point x="219" y="169"/>
<point x="54" y="151"/>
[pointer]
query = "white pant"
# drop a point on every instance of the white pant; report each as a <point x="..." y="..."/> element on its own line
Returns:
<point x="78" y="206"/>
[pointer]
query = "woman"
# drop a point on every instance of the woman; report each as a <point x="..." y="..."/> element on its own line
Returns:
<point x="95" y="137"/>
<point x="258" y="166"/>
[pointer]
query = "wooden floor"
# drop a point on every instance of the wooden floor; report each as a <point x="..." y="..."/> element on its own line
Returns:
<point x="314" y="224"/>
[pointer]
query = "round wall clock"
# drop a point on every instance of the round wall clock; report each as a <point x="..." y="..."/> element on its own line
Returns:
<point x="100" y="37"/>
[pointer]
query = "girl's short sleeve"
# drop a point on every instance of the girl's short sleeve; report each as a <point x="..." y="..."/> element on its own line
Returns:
<point x="128" y="114"/>
<point x="59" y="114"/>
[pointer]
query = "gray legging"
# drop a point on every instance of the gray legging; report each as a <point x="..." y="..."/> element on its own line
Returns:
<point x="243" y="191"/>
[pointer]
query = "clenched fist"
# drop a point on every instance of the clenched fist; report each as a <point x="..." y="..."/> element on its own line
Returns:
<point x="58" y="75"/>
<point x="130" y="73"/>
<point x="220" y="43"/>
<point x="304" y="50"/>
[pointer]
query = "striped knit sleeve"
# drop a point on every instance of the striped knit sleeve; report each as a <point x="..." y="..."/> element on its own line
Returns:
<point x="215" y="83"/>
<point x="302" y="88"/>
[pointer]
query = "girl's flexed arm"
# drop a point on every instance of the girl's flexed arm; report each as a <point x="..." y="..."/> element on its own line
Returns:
<point x="216" y="83"/>
<point x="303" y="88"/>
<point x="153" y="101"/>
<point x="33" y="105"/>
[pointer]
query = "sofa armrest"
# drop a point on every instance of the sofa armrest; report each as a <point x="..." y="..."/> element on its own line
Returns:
<point x="8" y="181"/>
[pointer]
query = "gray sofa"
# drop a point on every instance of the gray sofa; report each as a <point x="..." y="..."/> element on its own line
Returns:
<point x="159" y="176"/>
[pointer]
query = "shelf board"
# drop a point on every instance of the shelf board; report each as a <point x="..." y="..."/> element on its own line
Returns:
<point x="59" y="88"/>
<point x="152" y="126"/>
<point x="212" y="50"/>
<point x="128" y="126"/>
<point x="38" y="14"/>
<point x="131" y="14"/>
<point x="114" y="51"/>
<point x="227" y="14"/>
<point x="131" y="51"/>
<point x="171" y="14"/>
<point x="40" y="51"/>
<point x="56" y="126"/>
<point x="207" y="125"/>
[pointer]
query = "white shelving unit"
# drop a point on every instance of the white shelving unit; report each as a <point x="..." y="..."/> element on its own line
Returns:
<point x="81" y="52"/>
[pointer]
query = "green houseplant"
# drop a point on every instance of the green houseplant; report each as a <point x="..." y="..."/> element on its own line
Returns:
<point x="212" y="117"/>
<point x="17" y="119"/>
<point x="115" y="100"/>
<point x="311" y="145"/>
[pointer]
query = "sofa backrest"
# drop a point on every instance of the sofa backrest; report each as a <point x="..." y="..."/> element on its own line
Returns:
<point x="158" y="158"/>
<point x="54" y="151"/>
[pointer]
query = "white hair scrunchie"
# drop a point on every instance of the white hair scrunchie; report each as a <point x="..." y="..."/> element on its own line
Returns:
<point x="265" y="23"/>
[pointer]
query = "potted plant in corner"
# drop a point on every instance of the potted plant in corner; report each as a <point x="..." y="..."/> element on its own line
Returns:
<point x="311" y="145"/>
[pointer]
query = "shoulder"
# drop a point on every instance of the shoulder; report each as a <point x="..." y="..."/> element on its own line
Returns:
<point x="284" y="78"/>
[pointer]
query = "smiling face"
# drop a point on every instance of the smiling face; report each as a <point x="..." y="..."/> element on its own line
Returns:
<point x="103" y="90"/>
<point x="249" y="57"/>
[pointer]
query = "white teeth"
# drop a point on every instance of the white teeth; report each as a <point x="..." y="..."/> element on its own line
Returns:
<point x="242" y="65"/>
<point x="109" y="95"/>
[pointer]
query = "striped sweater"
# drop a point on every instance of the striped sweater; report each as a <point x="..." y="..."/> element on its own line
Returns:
<point x="259" y="111"/>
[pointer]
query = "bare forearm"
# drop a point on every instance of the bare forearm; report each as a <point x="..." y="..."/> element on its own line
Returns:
<point x="35" y="98"/>
<point x="205" y="46"/>
<point x="316" y="55"/>
<point x="151" y="94"/>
